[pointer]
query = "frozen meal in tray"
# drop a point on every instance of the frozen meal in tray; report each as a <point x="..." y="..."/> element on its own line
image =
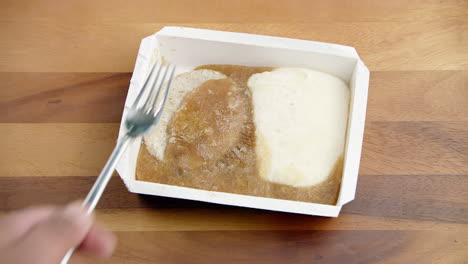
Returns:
<point x="258" y="131"/>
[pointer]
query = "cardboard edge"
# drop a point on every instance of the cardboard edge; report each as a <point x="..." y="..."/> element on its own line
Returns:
<point x="259" y="40"/>
<point x="351" y="167"/>
<point x="271" y="204"/>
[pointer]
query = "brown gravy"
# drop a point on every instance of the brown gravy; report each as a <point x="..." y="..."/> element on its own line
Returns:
<point x="212" y="145"/>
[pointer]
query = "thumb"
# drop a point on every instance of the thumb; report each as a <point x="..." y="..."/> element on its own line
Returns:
<point x="49" y="240"/>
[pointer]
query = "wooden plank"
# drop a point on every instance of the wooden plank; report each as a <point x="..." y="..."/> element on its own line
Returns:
<point x="415" y="148"/>
<point x="423" y="197"/>
<point x="81" y="149"/>
<point x="418" y="96"/>
<point x="230" y="219"/>
<point x="242" y="219"/>
<point x="99" y="97"/>
<point x="63" y="97"/>
<point x="435" y="198"/>
<point x="112" y="47"/>
<point x="259" y="247"/>
<point x="209" y="11"/>
<point x="50" y="149"/>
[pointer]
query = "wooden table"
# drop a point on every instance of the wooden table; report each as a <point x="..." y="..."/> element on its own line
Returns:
<point x="65" y="68"/>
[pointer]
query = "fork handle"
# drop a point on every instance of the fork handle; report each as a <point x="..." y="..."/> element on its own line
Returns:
<point x="101" y="182"/>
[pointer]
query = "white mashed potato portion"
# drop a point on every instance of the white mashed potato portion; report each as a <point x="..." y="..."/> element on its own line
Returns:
<point x="301" y="117"/>
<point x="156" y="141"/>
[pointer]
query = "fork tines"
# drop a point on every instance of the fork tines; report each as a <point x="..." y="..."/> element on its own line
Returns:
<point x="159" y="78"/>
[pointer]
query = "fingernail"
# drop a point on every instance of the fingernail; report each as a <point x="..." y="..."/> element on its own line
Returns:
<point x="77" y="214"/>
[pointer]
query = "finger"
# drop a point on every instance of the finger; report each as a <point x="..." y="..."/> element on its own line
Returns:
<point x="52" y="238"/>
<point x="98" y="243"/>
<point x="15" y="225"/>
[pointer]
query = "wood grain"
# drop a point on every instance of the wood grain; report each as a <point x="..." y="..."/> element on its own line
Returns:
<point x="214" y="11"/>
<point x="63" y="97"/>
<point x="204" y="218"/>
<point x="428" y="147"/>
<point x="65" y="67"/>
<point x="418" y="96"/>
<point x="72" y="149"/>
<point x="337" y="246"/>
<point x="172" y="219"/>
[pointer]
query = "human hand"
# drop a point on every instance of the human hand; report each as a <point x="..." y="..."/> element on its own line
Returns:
<point x="43" y="235"/>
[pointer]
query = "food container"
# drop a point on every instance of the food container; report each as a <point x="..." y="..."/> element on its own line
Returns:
<point x="189" y="48"/>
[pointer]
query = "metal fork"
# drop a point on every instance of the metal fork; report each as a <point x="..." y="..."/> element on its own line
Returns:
<point x="142" y="115"/>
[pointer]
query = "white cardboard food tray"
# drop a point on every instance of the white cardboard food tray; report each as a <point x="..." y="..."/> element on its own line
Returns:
<point x="189" y="47"/>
